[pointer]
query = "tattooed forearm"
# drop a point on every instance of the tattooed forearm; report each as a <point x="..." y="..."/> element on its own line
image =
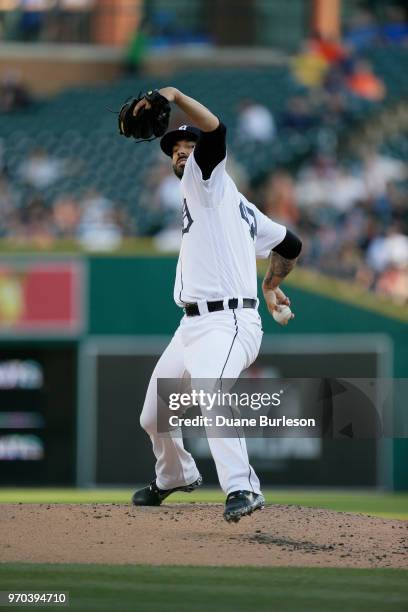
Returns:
<point x="278" y="268"/>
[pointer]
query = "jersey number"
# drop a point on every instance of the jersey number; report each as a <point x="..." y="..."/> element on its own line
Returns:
<point x="187" y="218"/>
<point x="248" y="215"/>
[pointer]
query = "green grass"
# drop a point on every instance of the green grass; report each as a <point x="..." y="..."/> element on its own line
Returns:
<point x="388" y="505"/>
<point x="198" y="589"/>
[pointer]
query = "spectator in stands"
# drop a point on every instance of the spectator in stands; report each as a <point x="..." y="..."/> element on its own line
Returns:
<point x="379" y="170"/>
<point x="66" y="216"/>
<point x="390" y="249"/>
<point x="165" y="27"/>
<point x="334" y="112"/>
<point x="166" y="196"/>
<point x="363" y="30"/>
<point x="298" y="114"/>
<point x="35" y="222"/>
<point x="393" y="282"/>
<point x="14" y="95"/>
<point x="159" y="202"/>
<point x="314" y="181"/>
<point x="279" y="198"/>
<point x="345" y="190"/>
<point x="32" y="19"/>
<point x="98" y="229"/>
<point x="330" y="49"/>
<point x="334" y="81"/>
<point x="363" y="83"/>
<point x="71" y="21"/>
<point x="255" y="122"/>
<point x="41" y="170"/>
<point x="395" y="30"/>
<point x="309" y="67"/>
<point x="135" y="52"/>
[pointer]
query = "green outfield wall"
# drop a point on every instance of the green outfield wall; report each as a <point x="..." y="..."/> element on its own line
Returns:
<point x="125" y="301"/>
<point x="134" y="296"/>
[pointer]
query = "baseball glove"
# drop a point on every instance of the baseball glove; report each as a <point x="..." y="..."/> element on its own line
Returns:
<point x="150" y="123"/>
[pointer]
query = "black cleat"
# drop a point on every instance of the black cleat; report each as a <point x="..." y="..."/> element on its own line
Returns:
<point x="153" y="496"/>
<point x="242" y="503"/>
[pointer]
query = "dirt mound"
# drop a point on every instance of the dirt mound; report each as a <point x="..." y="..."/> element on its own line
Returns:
<point x="196" y="534"/>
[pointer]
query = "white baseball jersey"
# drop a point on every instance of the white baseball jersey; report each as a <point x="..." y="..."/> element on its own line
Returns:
<point x="223" y="234"/>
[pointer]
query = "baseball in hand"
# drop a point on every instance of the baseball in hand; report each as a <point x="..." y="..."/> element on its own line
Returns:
<point x="283" y="316"/>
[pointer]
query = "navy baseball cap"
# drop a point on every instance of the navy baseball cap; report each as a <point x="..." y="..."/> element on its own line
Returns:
<point x="184" y="132"/>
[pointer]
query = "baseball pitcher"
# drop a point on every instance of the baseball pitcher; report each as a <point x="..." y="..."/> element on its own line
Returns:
<point x="216" y="286"/>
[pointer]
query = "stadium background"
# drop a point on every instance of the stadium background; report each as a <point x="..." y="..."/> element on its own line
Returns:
<point x="89" y="221"/>
<point x="313" y="93"/>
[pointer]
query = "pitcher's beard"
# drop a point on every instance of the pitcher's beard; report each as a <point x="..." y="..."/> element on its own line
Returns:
<point x="178" y="169"/>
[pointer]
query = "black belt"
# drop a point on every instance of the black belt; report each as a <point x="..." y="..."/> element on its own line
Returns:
<point x="192" y="310"/>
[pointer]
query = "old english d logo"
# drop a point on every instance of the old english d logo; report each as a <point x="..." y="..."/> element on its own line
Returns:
<point x="248" y="216"/>
<point x="187" y="219"/>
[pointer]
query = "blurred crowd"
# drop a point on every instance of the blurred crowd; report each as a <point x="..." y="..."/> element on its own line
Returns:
<point x="364" y="29"/>
<point x="353" y="218"/>
<point x="46" y="20"/>
<point x="28" y="215"/>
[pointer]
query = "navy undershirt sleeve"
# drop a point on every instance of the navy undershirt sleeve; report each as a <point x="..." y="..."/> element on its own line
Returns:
<point x="210" y="150"/>
<point x="290" y="246"/>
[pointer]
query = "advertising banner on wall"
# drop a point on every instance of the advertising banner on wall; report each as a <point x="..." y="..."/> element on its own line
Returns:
<point x="41" y="297"/>
<point x="344" y="450"/>
<point x="37" y="413"/>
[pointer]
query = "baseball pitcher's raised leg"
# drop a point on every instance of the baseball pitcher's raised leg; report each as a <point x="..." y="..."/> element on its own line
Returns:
<point x="175" y="467"/>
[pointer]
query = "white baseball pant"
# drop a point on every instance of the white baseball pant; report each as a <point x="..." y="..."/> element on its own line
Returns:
<point x="211" y="346"/>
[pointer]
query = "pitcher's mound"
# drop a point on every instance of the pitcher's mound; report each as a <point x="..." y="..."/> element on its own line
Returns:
<point x="196" y="534"/>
